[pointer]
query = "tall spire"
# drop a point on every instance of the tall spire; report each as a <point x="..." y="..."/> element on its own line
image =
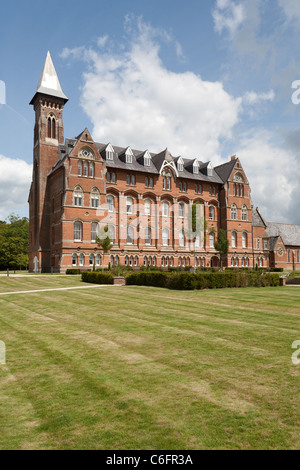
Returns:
<point x="49" y="82"/>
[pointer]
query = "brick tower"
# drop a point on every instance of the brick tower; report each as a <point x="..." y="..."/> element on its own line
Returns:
<point x="48" y="103"/>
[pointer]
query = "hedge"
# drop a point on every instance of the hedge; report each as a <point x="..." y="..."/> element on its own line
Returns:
<point x="191" y="281"/>
<point x="97" y="278"/>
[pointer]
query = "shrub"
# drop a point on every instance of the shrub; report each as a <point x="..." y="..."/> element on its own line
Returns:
<point x="97" y="278"/>
<point x="73" y="271"/>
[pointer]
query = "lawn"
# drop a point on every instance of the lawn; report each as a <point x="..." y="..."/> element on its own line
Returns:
<point x="146" y="368"/>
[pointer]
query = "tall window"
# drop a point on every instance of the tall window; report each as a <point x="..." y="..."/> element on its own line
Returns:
<point x="181" y="238"/>
<point x="165" y="209"/>
<point x="94" y="231"/>
<point x="81" y="259"/>
<point x="147" y="207"/>
<point x="211" y="240"/>
<point x="98" y="260"/>
<point x="244" y="213"/>
<point x="78" y="196"/>
<point x="113" y="178"/>
<point x="109" y="155"/>
<point x="151" y="185"/>
<point x="233" y="212"/>
<point x="211" y="212"/>
<point x="234" y="239"/>
<point x="180" y="165"/>
<point x="165" y="237"/>
<point x="79" y="168"/>
<point x="147" y="160"/>
<point x="130" y="235"/>
<point x="128" y="156"/>
<point x="132" y="180"/>
<point x="74" y="259"/>
<point x="95" y="198"/>
<point x="110" y="203"/>
<point x="92" y="170"/>
<point x="244" y="240"/>
<point x="91" y="259"/>
<point x="148" y="235"/>
<point x="78" y="231"/>
<point x="128" y="179"/>
<point x="51" y="130"/>
<point x="129" y="205"/>
<point x="85" y="169"/>
<point x="146" y="182"/>
<point x="181" y="209"/>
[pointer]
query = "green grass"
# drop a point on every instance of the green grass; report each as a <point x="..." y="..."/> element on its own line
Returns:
<point x="146" y="368"/>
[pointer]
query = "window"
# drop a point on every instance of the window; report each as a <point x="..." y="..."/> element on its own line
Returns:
<point x="180" y="165"/>
<point x="289" y="256"/>
<point x="165" y="237"/>
<point x="234" y="239"/>
<point x="145" y="260"/>
<point x="147" y="207"/>
<point x="184" y="187"/>
<point x="147" y="160"/>
<point x="92" y="170"/>
<point x="181" y="238"/>
<point x="116" y="260"/>
<point x="98" y="260"/>
<point x="108" y="177"/>
<point x="233" y="212"/>
<point x="74" y="260"/>
<point x="128" y="179"/>
<point x="109" y="155"/>
<point x="94" y="231"/>
<point x="91" y="258"/>
<point x="111" y="233"/>
<point x="151" y="183"/>
<point x="181" y="210"/>
<point x="51" y="132"/>
<point x="85" y="169"/>
<point x="148" y="236"/>
<point x="129" y="205"/>
<point x="78" y="196"/>
<point x="95" y="198"/>
<point x="244" y="240"/>
<point x="210" y="191"/>
<point x="166" y="180"/>
<point x="198" y="188"/>
<point x="298" y="256"/>
<point x="128" y="156"/>
<point x="211" y="240"/>
<point x="113" y="178"/>
<point x="258" y="244"/>
<point x="244" y="213"/>
<point x="110" y="203"/>
<point x="211" y="212"/>
<point x="78" y="231"/>
<point x="180" y="186"/>
<point x="79" y="168"/>
<point x="130" y="235"/>
<point x="165" y="209"/>
<point x="111" y="260"/>
<point x="196" y="168"/>
<point x="146" y="182"/>
<point x="132" y="180"/>
<point x="81" y="259"/>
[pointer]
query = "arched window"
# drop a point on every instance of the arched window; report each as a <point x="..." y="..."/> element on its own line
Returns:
<point x="146" y="182"/>
<point x="94" y="231"/>
<point x="85" y="169"/>
<point x="234" y="239"/>
<point x="95" y="198"/>
<point x="211" y="212"/>
<point x="154" y="261"/>
<point x="117" y="260"/>
<point x="51" y="130"/>
<point x="78" y="231"/>
<point x="74" y="259"/>
<point x="180" y="186"/>
<point x="244" y="213"/>
<point x="111" y="260"/>
<point x="136" y="261"/>
<point x="244" y="240"/>
<point x="211" y="240"/>
<point x="179" y="261"/>
<point x="110" y="203"/>
<point x="126" y="260"/>
<point x="165" y="237"/>
<point x="92" y="170"/>
<point x="113" y="178"/>
<point x="91" y="259"/>
<point x="147" y="207"/>
<point x="130" y="235"/>
<point x="129" y="205"/>
<point x="111" y="233"/>
<point x="145" y="260"/>
<point x="78" y="196"/>
<point x="151" y="183"/>
<point x="165" y="209"/>
<point x="132" y="180"/>
<point x="233" y="212"/>
<point x="148" y="235"/>
<point x="166" y="179"/>
<point x="98" y="260"/>
<point x="181" y="238"/>
<point x="184" y="187"/>
<point x="108" y="177"/>
<point x="81" y="259"/>
<point x="163" y="261"/>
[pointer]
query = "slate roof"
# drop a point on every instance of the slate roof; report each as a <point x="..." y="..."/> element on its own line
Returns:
<point x="257" y="219"/>
<point x="224" y="171"/>
<point x="290" y="234"/>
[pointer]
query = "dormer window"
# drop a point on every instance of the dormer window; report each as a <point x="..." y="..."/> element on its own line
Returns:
<point x="109" y="152"/>
<point x="128" y="155"/>
<point x="147" y="159"/>
<point x="196" y="168"/>
<point x="210" y="169"/>
<point x="180" y="164"/>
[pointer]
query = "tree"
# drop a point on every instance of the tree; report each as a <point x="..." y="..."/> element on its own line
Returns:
<point x="14" y="242"/>
<point x="104" y="241"/>
<point x="222" y="244"/>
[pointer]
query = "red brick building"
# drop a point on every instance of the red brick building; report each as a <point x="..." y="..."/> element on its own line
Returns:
<point x="80" y="186"/>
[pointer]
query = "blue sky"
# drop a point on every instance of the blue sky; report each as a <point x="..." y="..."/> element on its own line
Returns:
<point x="207" y="79"/>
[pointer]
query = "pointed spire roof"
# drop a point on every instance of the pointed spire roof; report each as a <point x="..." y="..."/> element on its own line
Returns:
<point x="49" y="83"/>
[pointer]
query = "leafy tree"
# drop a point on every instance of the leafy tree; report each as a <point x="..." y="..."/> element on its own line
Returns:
<point x="104" y="241"/>
<point x="14" y="242"/>
<point x="222" y="244"/>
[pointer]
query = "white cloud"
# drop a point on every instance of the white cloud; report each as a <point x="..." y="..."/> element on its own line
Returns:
<point x="228" y="16"/>
<point x="253" y="98"/>
<point x="291" y="9"/>
<point x="15" y="178"/>
<point x="132" y="99"/>
<point x="271" y="170"/>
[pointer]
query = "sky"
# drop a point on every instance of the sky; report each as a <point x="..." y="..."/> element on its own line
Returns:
<point x="207" y="79"/>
